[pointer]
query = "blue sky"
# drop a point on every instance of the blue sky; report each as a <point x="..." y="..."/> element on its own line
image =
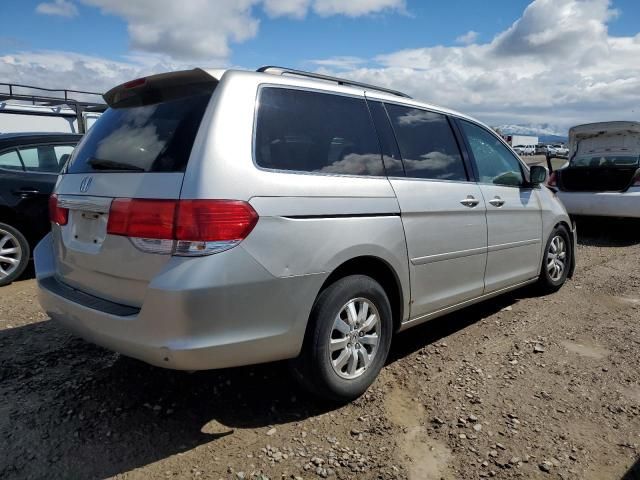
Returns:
<point x="290" y="41"/>
<point x="509" y="61"/>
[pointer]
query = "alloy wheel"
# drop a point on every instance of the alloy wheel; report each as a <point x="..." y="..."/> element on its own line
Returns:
<point x="354" y="338"/>
<point x="557" y="258"/>
<point x="10" y="254"/>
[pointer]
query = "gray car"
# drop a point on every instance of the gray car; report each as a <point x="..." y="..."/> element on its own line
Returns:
<point x="218" y="218"/>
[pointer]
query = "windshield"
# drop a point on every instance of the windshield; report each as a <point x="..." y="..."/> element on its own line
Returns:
<point x="149" y="138"/>
<point x="605" y="161"/>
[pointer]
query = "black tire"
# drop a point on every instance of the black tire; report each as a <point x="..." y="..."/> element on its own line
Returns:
<point x="17" y="240"/>
<point x="313" y="369"/>
<point x="546" y="283"/>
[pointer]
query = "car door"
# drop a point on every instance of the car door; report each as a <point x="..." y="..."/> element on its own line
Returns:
<point x="42" y="163"/>
<point x="442" y="211"/>
<point x="11" y="177"/>
<point x="514" y="218"/>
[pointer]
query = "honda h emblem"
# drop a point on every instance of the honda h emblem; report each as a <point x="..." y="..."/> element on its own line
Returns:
<point x="85" y="184"/>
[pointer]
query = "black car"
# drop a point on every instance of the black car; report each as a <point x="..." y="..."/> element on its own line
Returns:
<point x="29" y="167"/>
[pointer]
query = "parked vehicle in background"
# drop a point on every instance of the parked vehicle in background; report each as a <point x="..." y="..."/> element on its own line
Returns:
<point x="602" y="177"/>
<point x="541" y="149"/>
<point x="560" y="151"/>
<point x="525" y="149"/>
<point x="29" y="167"/>
<point x="25" y="108"/>
<point x="282" y="214"/>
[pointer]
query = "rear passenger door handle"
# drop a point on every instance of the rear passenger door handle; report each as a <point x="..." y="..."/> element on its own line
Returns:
<point x="470" y="201"/>
<point x="26" y="192"/>
<point x="496" y="202"/>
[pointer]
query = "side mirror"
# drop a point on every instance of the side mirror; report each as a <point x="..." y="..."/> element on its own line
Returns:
<point x="537" y="174"/>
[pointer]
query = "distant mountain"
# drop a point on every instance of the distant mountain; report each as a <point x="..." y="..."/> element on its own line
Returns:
<point x="545" y="132"/>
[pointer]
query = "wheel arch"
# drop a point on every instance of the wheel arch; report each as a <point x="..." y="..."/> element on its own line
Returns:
<point x="9" y="217"/>
<point x="382" y="272"/>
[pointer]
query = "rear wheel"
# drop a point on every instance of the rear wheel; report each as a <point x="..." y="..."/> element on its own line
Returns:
<point x="14" y="254"/>
<point x="347" y="341"/>
<point x="556" y="260"/>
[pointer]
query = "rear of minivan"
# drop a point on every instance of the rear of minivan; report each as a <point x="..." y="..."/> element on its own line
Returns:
<point x="141" y="265"/>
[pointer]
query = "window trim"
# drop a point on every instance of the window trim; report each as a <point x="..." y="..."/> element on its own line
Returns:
<point x="254" y="135"/>
<point x="524" y="171"/>
<point x="32" y="145"/>
<point x="395" y="147"/>
<point x="448" y="118"/>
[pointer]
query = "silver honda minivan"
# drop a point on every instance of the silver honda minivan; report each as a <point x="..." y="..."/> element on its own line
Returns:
<point x="218" y="218"/>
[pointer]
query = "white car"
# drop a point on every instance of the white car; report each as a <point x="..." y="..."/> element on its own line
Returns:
<point x="560" y="151"/>
<point x="525" y="149"/>
<point x="602" y="177"/>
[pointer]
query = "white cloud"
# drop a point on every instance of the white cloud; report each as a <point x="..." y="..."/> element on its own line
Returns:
<point x="289" y="8"/>
<point x="356" y="8"/>
<point x="556" y="64"/>
<point x="204" y="29"/>
<point x="62" y="8"/>
<point x="340" y="62"/>
<point x="195" y="29"/>
<point x="468" y="38"/>
<point x="69" y="70"/>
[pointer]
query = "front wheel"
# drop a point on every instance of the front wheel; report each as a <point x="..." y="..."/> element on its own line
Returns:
<point x="14" y="254"/>
<point x="347" y="340"/>
<point x="556" y="260"/>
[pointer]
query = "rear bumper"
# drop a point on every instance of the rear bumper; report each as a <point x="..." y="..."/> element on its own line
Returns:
<point x="221" y="312"/>
<point x="607" y="204"/>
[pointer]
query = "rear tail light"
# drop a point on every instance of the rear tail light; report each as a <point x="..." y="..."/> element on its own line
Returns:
<point x="182" y="227"/>
<point x="553" y="180"/>
<point x="57" y="214"/>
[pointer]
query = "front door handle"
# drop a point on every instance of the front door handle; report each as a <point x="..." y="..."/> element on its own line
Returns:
<point x="496" y="201"/>
<point x="470" y="201"/>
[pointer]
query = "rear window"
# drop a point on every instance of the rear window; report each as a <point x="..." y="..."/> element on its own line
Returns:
<point x="148" y="138"/>
<point x="316" y="132"/>
<point x="595" y="161"/>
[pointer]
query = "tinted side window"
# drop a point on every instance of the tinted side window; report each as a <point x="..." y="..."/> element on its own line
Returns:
<point x="10" y="160"/>
<point x="42" y="158"/>
<point x="63" y="153"/>
<point x="496" y="164"/>
<point x="316" y="132"/>
<point x="427" y="144"/>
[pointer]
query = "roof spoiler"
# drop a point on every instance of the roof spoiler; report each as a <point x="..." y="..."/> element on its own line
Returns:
<point x="160" y="88"/>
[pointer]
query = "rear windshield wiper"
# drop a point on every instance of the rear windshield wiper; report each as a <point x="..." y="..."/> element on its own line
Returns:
<point x="102" y="164"/>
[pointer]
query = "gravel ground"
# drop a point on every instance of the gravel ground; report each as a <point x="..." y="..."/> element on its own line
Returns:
<point x="520" y="386"/>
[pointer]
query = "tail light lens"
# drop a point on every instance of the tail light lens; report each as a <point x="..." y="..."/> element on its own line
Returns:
<point x="131" y="217"/>
<point x="553" y="180"/>
<point x="57" y="214"/>
<point x="182" y="227"/>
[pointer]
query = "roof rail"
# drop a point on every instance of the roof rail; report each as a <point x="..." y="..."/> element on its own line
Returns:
<point x="46" y="100"/>
<point x="340" y="81"/>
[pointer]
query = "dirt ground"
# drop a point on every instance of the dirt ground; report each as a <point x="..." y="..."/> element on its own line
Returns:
<point x="520" y="386"/>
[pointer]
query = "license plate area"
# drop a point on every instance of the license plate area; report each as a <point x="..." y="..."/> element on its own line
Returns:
<point x="86" y="228"/>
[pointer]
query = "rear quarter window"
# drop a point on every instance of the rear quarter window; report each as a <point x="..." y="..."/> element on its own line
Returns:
<point x="308" y="131"/>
